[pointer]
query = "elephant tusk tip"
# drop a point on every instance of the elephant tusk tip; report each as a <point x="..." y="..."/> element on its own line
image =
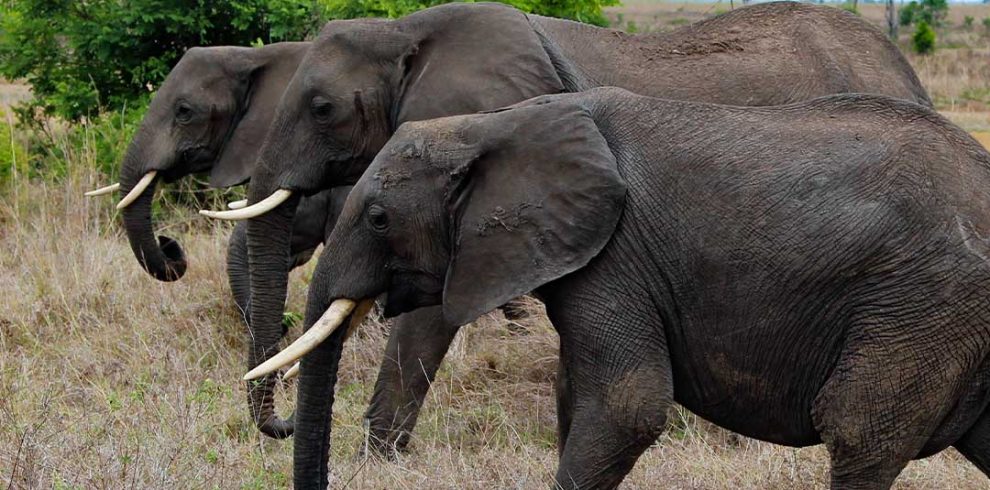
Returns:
<point x="256" y="373"/>
<point x="209" y="213"/>
<point x="103" y="190"/>
<point x="291" y="373"/>
<point x="238" y="204"/>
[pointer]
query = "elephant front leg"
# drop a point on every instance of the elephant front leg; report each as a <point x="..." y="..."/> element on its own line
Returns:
<point x="614" y="388"/>
<point x="416" y="347"/>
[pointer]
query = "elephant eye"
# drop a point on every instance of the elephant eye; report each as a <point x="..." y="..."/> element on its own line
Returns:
<point x="183" y="112"/>
<point x="377" y="218"/>
<point x="320" y="108"/>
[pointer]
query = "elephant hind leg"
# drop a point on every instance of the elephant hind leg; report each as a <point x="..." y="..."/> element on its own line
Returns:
<point x="975" y="445"/>
<point x="893" y="386"/>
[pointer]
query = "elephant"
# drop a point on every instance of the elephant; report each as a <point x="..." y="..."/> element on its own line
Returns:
<point x="817" y="272"/>
<point x="362" y="78"/>
<point x="210" y="115"/>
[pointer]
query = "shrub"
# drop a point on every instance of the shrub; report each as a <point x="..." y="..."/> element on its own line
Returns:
<point x="907" y="12"/>
<point x="84" y="57"/>
<point x="932" y="12"/>
<point x="986" y="23"/>
<point x="924" y="38"/>
<point x="968" y="22"/>
<point x="13" y="157"/>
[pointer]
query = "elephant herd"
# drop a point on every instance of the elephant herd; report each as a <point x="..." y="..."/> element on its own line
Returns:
<point x="758" y="216"/>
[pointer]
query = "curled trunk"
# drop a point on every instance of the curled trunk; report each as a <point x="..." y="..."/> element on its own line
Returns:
<point x="269" y="243"/>
<point x="163" y="258"/>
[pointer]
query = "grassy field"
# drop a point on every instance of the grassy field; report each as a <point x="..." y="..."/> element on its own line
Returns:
<point x="109" y="379"/>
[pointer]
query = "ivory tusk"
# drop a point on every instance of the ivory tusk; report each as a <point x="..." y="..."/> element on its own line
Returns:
<point x="237" y="204"/>
<point x="358" y="315"/>
<point x="137" y="190"/>
<point x="330" y="321"/>
<point x="257" y="209"/>
<point x="291" y="373"/>
<point x="104" y="190"/>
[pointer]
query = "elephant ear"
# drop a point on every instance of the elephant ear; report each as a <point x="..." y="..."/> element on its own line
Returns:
<point x="539" y="204"/>
<point x="267" y="71"/>
<point x="473" y="58"/>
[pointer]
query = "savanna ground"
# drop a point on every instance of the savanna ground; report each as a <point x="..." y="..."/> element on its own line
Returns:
<point x="109" y="379"/>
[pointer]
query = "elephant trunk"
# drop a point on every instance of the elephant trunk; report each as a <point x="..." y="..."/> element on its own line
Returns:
<point x="238" y="271"/>
<point x="269" y="243"/>
<point x="162" y="258"/>
<point x="317" y="377"/>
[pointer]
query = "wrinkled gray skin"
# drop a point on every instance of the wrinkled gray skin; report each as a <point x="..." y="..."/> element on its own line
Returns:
<point x="803" y="274"/>
<point x="211" y="115"/>
<point x="362" y="78"/>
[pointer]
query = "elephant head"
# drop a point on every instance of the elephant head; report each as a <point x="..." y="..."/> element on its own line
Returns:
<point x="467" y="212"/>
<point x="357" y="83"/>
<point x="210" y="114"/>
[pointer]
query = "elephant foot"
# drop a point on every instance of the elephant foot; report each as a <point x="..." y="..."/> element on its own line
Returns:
<point x="386" y="444"/>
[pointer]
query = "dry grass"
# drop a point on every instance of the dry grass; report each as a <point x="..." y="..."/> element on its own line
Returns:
<point x="109" y="379"/>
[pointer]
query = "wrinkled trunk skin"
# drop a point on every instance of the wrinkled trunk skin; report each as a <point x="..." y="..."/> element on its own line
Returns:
<point x="163" y="258"/>
<point x="311" y="448"/>
<point x="269" y="238"/>
<point x="238" y="271"/>
<point x="416" y="346"/>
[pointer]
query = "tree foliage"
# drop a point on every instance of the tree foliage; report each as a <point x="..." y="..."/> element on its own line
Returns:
<point x="85" y="57"/>
<point x="923" y="39"/>
<point x="81" y="57"/>
<point x="931" y="12"/>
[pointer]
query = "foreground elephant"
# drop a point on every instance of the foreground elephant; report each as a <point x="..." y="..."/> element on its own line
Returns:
<point x="362" y="78"/>
<point x="815" y="272"/>
<point x="211" y="115"/>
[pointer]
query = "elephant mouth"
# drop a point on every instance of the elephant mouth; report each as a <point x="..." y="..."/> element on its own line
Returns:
<point x="411" y="290"/>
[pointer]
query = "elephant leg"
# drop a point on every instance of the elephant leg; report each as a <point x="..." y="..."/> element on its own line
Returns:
<point x="892" y="387"/>
<point x="975" y="445"/>
<point x="617" y="386"/>
<point x="416" y="347"/>
<point x="565" y="407"/>
<point x="238" y="274"/>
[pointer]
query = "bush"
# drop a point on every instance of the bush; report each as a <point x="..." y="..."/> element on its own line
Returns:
<point x="986" y="23"/>
<point x="84" y="57"/>
<point x="931" y="12"/>
<point x="13" y="157"/>
<point x="906" y="14"/>
<point x="968" y="22"/>
<point x="924" y="38"/>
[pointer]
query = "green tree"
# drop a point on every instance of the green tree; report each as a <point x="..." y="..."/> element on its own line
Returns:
<point x="932" y="12"/>
<point x="923" y="39"/>
<point x="84" y="57"/>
